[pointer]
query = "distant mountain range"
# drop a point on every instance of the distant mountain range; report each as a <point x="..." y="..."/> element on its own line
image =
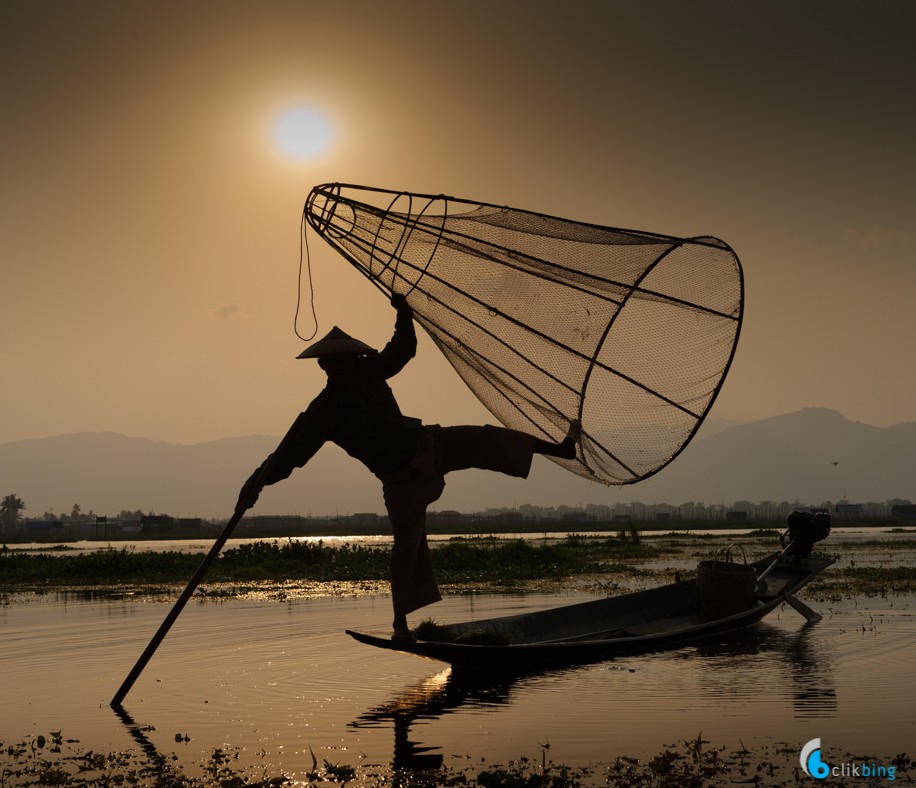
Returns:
<point x="811" y="456"/>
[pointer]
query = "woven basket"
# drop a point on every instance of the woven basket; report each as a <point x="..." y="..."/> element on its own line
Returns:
<point x="724" y="586"/>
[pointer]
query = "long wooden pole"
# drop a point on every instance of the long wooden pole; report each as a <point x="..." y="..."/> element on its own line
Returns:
<point x="176" y="610"/>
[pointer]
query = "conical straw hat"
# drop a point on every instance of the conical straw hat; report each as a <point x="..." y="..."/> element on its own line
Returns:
<point x="335" y="343"/>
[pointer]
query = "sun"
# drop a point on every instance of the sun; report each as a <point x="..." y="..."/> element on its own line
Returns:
<point x="303" y="133"/>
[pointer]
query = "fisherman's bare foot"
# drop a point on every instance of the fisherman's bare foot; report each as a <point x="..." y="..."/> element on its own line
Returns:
<point x="575" y="431"/>
<point x="567" y="447"/>
<point x="402" y="633"/>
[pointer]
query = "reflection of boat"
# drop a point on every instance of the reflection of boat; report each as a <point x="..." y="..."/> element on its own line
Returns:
<point x="724" y="670"/>
<point x="661" y="618"/>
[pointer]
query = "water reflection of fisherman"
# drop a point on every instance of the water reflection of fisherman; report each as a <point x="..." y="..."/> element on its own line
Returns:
<point x="357" y="411"/>
<point x="432" y="699"/>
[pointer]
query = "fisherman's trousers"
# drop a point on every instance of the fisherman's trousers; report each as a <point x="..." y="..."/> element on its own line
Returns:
<point x="409" y="491"/>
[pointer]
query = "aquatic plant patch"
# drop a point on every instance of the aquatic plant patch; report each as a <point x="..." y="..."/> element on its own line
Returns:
<point x="455" y="562"/>
<point x="56" y="760"/>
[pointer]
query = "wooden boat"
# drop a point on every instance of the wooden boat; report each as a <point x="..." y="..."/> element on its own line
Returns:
<point x="662" y="618"/>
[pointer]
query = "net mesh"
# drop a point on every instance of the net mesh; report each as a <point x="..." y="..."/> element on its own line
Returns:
<point x="549" y="320"/>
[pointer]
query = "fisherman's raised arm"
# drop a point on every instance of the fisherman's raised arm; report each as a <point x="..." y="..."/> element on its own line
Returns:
<point x="403" y="344"/>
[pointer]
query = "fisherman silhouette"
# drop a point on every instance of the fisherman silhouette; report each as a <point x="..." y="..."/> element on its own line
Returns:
<point x="357" y="411"/>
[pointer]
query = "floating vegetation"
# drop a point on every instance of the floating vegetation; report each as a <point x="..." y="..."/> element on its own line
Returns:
<point x="501" y="562"/>
<point x="52" y="548"/>
<point x="767" y="532"/>
<point x="856" y="581"/>
<point x="54" y="760"/>
<point x="57" y="761"/>
<point x="289" y="569"/>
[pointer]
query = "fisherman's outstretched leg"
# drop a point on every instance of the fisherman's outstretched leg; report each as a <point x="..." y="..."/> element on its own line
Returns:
<point x="497" y="448"/>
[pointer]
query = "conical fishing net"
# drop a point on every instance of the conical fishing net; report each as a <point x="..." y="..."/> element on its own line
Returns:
<point x="549" y="320"/>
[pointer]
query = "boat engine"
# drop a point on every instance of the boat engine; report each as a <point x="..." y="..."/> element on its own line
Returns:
<point x="804" y="531"/>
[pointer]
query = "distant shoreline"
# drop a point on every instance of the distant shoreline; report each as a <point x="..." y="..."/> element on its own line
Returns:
<point x="293" y="527"/>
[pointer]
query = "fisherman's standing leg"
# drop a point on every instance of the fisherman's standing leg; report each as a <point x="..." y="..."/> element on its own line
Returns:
<point x="413" y="583"/>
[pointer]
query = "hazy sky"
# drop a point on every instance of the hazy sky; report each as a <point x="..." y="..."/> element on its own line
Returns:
<point x="149" y="232"/>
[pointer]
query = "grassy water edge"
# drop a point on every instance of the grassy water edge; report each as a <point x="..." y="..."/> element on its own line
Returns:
<point x="607" y="564"/>
<point x="456" y="562"/>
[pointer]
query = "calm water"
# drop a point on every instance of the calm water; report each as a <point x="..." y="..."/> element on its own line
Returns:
<point x="277" y="679"/>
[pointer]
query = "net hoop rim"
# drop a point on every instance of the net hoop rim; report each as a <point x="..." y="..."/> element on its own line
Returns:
<point x="699" y="240"/>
